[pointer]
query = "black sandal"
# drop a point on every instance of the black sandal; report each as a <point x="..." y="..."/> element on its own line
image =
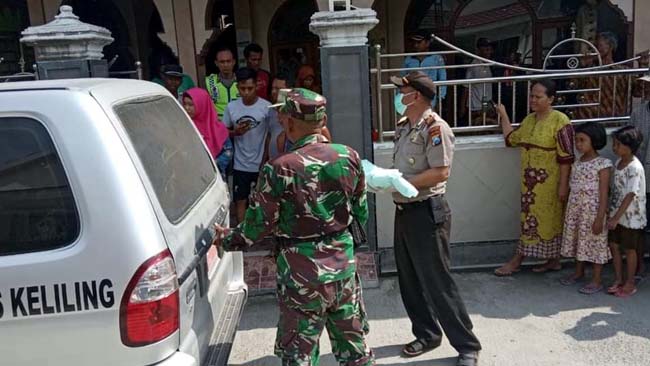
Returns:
<point x="418" y="347"/>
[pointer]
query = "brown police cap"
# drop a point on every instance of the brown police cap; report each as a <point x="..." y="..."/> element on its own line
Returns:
<point x="418" y="81"/>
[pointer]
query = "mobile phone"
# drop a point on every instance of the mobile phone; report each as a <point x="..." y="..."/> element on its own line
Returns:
<point x="493" y="106"/>
<point x="246" y="125"/>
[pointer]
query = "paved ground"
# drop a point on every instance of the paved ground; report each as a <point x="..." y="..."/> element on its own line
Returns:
<point x="525" y="320"/>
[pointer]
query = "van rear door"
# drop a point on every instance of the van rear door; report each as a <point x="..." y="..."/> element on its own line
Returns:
<point x="75" y="225"/>
<point x="189" y="197"/>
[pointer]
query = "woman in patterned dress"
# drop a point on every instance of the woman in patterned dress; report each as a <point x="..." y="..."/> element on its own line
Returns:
<point x="545" y="139"/>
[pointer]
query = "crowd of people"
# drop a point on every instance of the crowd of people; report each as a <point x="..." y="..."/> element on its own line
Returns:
<point x="475" y="100"/>
<point x="586" y="207"/>
<point x="575" y="203"/>
<point x="232" y="114"/>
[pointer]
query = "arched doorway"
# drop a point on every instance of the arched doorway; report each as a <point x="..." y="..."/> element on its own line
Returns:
<point x="14" y="18"/>
<point x="291" y="44"/>
<point x="508" y="23"/>
<point x="105" y="13"/>
<point x="220" y="17"/>
<point x="160" y="53"/>
<point x="530" y="27"/>
<point x="134" y="27"/>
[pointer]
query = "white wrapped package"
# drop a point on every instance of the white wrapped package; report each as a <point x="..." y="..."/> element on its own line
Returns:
<point x="380" y="180"/>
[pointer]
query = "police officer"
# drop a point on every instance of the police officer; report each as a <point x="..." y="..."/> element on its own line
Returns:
<point x="223" y="86"/>
<point x="424" y="148"/>
<point x="307" y="198"/>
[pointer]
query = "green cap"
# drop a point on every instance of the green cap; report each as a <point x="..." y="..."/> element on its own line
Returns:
<point x="302" y="104"/>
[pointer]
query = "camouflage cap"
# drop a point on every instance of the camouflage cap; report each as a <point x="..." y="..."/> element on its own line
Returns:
<point x="302" y="104"/>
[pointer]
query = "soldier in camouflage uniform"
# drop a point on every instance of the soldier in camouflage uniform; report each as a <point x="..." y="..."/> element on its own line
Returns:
<point x="307" y="198"/>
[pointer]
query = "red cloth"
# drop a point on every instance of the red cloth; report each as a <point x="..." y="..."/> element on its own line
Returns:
<point x="304" y="72"/>
<point x="213" y="131"/>
<point x="263" y="84"/>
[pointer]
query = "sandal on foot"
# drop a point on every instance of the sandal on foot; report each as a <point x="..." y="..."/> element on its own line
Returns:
<point x="501" y="272"/>
<point x="467" y="359"/>
<point x="590" y="289"/>
<point x="624" y="293"/>
<point x="613" y="289"/>
<point x="570" y="280"/>
<point x="418" y="347"/>
<point x="545" y="268"/>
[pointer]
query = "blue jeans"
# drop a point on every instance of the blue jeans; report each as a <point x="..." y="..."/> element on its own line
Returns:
<point x="224" y="158"/>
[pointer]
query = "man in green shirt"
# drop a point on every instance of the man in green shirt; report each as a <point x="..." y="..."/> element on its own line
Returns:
<point x="223" y="86"/>
<point x="174" y="80"/>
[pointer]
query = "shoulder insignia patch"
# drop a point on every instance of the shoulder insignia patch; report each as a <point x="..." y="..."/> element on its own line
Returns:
<point x="429" y="120"/>
<point x="435" y="135"/>
<point x="402" y="121"/>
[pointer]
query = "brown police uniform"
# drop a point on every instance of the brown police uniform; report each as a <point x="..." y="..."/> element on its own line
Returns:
<point x="422" y="227"/>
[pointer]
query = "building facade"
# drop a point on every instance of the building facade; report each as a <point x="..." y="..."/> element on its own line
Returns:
<point x="157" y="31"/>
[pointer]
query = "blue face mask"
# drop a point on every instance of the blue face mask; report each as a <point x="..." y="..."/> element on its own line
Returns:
<point x="400" y="107"/>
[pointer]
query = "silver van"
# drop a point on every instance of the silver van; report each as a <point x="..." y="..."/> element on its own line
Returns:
<point x="108" y="198"/>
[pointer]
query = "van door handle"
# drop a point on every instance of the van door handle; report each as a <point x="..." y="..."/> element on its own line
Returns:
<point x="205" y="242"/>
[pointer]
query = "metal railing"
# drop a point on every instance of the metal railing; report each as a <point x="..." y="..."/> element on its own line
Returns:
<point x="21" y="76"/>
<point x="571" y="98"/>
<point x="138" y="73"/>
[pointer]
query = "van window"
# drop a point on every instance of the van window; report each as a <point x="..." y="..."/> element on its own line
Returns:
<point x="37" y="210"/>
<point x="172" y="153"/>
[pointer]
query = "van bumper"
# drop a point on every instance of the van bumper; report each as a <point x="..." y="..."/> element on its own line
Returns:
<point x="178" y="359"/>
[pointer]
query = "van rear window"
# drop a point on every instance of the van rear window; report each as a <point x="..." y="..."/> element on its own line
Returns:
<point x="37" y="209"/>
<point x="172" y="153"/>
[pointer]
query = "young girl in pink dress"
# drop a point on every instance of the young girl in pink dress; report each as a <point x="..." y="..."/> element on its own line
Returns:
<point x="585" y="228"/>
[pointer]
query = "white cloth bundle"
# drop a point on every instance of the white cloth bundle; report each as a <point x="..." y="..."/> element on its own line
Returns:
<point x="380" y="180"/>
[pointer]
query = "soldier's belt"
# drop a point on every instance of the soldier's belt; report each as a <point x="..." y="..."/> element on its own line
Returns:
<point x="288" y="242"/>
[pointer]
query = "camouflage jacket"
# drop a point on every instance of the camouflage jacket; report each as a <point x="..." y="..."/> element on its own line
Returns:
<point x="313" y="191"/>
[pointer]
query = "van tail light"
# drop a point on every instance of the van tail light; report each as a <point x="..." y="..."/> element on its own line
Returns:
<point x="149" y="311"/>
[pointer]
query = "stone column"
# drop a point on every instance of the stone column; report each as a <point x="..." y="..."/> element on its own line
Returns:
<point x="67" y="48"/>
<point x="185" y="35"/>
<point x="346" y="82"/>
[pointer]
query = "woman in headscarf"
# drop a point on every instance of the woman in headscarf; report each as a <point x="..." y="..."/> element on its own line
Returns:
<point x="307" y="79"/>
<point x="198" y="104"/>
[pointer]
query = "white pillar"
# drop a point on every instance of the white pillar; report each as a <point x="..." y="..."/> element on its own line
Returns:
<point x="343" y="28"/>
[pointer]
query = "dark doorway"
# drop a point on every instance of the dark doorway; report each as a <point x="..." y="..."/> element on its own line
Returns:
<point x="221" y="18"/>
<point x="291" y="43"/>
<point x="14" y="18"/>
<point x="105" y="13"/>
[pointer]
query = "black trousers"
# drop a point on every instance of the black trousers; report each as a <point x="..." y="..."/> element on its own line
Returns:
<point x="429" y="292"/>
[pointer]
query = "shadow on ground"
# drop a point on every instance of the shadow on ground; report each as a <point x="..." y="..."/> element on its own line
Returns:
<point x="526" y="294"/>
<point x="330" y="360"/>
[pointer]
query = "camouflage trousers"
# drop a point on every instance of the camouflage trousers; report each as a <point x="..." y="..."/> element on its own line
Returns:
<point x="305" y="312"/>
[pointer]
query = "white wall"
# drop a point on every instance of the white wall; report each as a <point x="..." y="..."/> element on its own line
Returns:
<point x="483" y="191"/>
<point x="627" y="6"/>
<point x="641" y="25"/>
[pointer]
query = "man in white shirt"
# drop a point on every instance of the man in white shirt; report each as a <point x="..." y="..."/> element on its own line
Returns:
<point x="479" y="92"/>
<point x="247" y="119"/>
